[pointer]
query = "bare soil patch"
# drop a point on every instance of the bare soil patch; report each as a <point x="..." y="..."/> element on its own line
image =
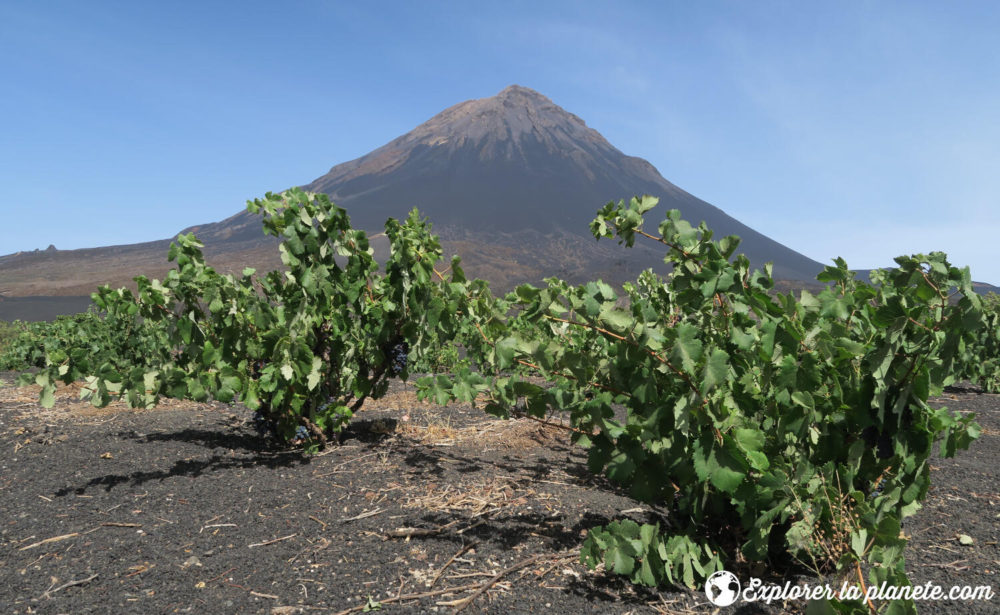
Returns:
<point x="422" y="508"/>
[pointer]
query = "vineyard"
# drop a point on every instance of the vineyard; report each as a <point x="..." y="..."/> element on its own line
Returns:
<point x="758" y="430"/>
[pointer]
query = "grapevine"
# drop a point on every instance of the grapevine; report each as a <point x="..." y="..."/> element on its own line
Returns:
<point x="765" y="426"/>
<point x="304" y="348"/>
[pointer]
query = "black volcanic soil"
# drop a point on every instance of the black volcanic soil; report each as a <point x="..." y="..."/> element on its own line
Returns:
<point x="183" y="509"/>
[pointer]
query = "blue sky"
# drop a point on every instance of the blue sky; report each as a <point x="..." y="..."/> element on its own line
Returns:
<point x="855" y="129"/>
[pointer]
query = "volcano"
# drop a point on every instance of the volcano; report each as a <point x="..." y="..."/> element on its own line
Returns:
<point x="510" y="183"/>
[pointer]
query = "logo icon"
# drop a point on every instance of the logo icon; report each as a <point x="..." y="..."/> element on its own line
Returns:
<point x="722" y="588"/>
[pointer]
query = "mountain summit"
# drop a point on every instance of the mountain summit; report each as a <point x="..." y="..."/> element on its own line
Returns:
<point x="518" y="162"/>
<point x="511" y="162"/>
<point x="510" y="183"/>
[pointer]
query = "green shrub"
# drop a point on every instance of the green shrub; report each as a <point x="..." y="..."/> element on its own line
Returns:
<point x="10" y="333"/>
<point x="304" y="347"/>
<point x="981" y="362"/>
<point x="767" y="426"/>
<point x="101" y="338"/>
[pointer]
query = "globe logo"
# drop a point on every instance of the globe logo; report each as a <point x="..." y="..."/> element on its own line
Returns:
<point x="722" y="588"/>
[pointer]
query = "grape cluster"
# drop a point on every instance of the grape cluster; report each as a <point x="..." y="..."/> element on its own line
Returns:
<point x="265" y="427"/>
<point x="262" y="425"/>
<point x="257" y="368"/>
<point x="398" y="356"/>
<point x="879" y="440"/>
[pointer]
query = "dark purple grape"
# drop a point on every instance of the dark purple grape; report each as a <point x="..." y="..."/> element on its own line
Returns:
<point x="261" y="424"/>
<point x="398" y="356"/>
